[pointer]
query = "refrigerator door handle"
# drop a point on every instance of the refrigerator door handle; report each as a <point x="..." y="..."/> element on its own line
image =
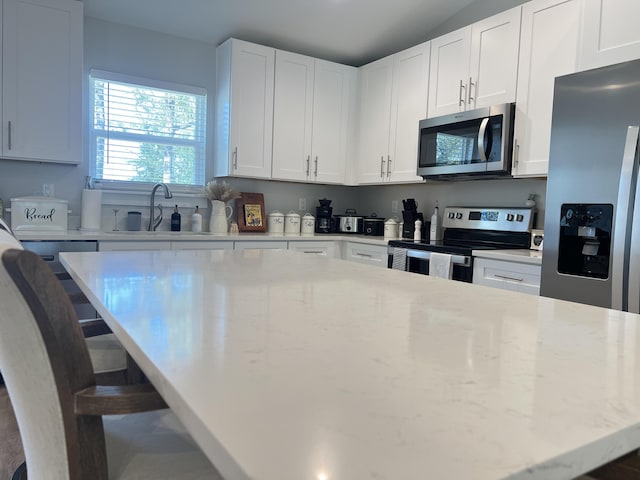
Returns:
<point x="633" y="288"/>
<point x="620" y="233"/>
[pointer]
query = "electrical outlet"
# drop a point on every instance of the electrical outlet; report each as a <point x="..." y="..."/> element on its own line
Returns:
<point x="302" y="204"/>
<point x="394" y="206"/>
<point x="47" y="189"/>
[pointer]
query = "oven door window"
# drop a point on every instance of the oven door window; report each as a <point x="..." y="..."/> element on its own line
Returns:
<point x="463" y="143"/>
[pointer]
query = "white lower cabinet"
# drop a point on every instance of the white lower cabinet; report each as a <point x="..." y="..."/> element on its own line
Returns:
<point x="328" y="249"/>
<point x="366" y="253"/>
<point x="116" y="246"/>
<point x="260" y="245"/>
<point x="515" y="276"/>
<point x="204" y="245"/>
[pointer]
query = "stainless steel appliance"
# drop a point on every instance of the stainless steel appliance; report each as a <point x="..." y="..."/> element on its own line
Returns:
<point x="373" y="225"/>
<point x="591" y="250"/>
<point x="466" y="229"/>
<point x="350" y="222"/>
<point x="466" y="144"/>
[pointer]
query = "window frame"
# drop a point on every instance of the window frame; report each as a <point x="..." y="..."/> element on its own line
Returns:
<point x="133" y="186"/>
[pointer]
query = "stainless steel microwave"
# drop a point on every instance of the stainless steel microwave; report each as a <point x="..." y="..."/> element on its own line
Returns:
<point x="467" y="144"/>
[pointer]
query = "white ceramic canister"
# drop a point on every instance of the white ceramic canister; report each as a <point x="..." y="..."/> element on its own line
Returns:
<point x="275" y="222"/>
<point x="391" y="229"/>
<point x="292" y="223"/>
<point x="308" y="226"/>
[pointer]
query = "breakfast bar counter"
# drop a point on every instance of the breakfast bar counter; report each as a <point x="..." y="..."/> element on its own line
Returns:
<point x="285" y="366"/>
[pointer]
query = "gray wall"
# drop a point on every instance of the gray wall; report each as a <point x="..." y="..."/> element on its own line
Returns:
<point x="143" y="53"/>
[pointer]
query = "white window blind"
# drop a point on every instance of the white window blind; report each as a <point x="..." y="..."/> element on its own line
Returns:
<point x="147" y="131"/>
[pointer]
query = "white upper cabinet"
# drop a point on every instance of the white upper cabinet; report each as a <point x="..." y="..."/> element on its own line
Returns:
<point x="314" y="102"/>
<point x="393" y="99"/>
<point x="42" y="80"/>
<point x="244" y="109"/>
<point x="548" y="48"/>
<point x="475" y="66"/>
<point x="610" y="33"/>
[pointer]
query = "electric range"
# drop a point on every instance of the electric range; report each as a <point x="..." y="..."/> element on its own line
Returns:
<point x="466" y="229"/>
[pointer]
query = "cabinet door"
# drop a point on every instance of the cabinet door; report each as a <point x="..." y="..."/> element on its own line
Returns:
<point x="548" y="49"/>
<point x="333" y="105"/>
<point x="610" y="33"/>
<point x="375" y="111"/>
<point x="408" y="107"/>
<point x="494" y="60"/>
<point x="449" y="72"/>
<point x="42" y="80"/>
<point x="292" y="116"/>
<point x="251" y="109"/>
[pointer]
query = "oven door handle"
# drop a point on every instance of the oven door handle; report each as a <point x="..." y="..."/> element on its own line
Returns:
<point x="462" y="260"/>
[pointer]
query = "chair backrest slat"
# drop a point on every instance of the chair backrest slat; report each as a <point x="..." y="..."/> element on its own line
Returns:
<point x="45" y="361"/>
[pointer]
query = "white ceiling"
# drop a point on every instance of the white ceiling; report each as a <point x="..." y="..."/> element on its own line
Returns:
<point x="348" y="31"/>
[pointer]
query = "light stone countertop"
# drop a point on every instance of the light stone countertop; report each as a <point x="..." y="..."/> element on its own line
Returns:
<point x="286" y="366"/>
<point x="124" y="235"/>
<point x="532" y="257"/>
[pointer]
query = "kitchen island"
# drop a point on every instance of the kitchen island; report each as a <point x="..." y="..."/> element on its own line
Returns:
<point x="287" y="366"/>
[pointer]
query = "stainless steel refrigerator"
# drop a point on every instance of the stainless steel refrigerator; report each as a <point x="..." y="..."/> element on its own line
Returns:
<point x="591" y="251"/>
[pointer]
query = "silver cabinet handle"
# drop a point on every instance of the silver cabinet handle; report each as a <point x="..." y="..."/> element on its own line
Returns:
<point x="516" y="154"/>
<point x="388" y="166"/>
<point x="462" y="94"/>
<point x="365" y="255"/>
<point x="315" y="170"/>
<point x="235" y="158"/>
<point x="471" y="84"/>
<point x="382" y="166"/>
<point x="9" y="139"/>
<point x="504" y="277"/>
<point x="308" y="161"/>
<point x="317" y="252"/>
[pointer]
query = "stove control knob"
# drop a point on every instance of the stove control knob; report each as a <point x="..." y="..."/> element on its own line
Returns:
<point x="509" y="217"/>
<point x="452" y="215"/>
<point x="458" y="216"/>
<point x="519" y="217"/>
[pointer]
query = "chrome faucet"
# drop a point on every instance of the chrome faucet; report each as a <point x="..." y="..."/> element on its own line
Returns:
<point x="154" y="222"/>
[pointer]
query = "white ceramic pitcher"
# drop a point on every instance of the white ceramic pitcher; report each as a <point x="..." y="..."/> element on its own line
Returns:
<point x="220" y="216"/>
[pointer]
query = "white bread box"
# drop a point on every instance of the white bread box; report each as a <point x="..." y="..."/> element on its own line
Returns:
<point x="39" y="213"/>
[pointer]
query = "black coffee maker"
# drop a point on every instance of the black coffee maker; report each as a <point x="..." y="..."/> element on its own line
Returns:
<point x="324" y="217"/>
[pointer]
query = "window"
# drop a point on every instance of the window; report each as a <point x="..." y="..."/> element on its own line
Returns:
<point x="146" y="131"/>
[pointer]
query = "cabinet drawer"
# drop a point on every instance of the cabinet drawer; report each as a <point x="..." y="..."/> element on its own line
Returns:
<point x="369" y="254"/>
<point x="314" y="248"/>
<point x="244" y="245"/>
<point x="518" y="277"/>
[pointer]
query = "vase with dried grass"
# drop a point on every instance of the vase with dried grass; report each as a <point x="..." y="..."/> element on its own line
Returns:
<point x="219" y="193"/>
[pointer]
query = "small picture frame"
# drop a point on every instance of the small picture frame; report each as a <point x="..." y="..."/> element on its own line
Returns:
<point x="250" y="212"/>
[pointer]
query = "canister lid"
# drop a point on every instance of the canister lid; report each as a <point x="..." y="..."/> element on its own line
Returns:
<point x="293" y="214"/>
<point x="276" y="213"/>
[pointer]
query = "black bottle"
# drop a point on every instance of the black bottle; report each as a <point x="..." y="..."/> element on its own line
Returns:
<point x="175" y="220"/>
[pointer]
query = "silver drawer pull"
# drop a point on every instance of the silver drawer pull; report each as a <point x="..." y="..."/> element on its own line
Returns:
<point x="504" y="277"/>
<point x="319" y="252"/>
<point x="363" y="255"/>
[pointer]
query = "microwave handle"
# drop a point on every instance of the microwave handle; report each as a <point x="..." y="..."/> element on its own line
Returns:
<point x="482" y="148"/>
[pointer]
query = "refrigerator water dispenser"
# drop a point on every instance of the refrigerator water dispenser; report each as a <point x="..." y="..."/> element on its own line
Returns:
<point x="585" y="239"/>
